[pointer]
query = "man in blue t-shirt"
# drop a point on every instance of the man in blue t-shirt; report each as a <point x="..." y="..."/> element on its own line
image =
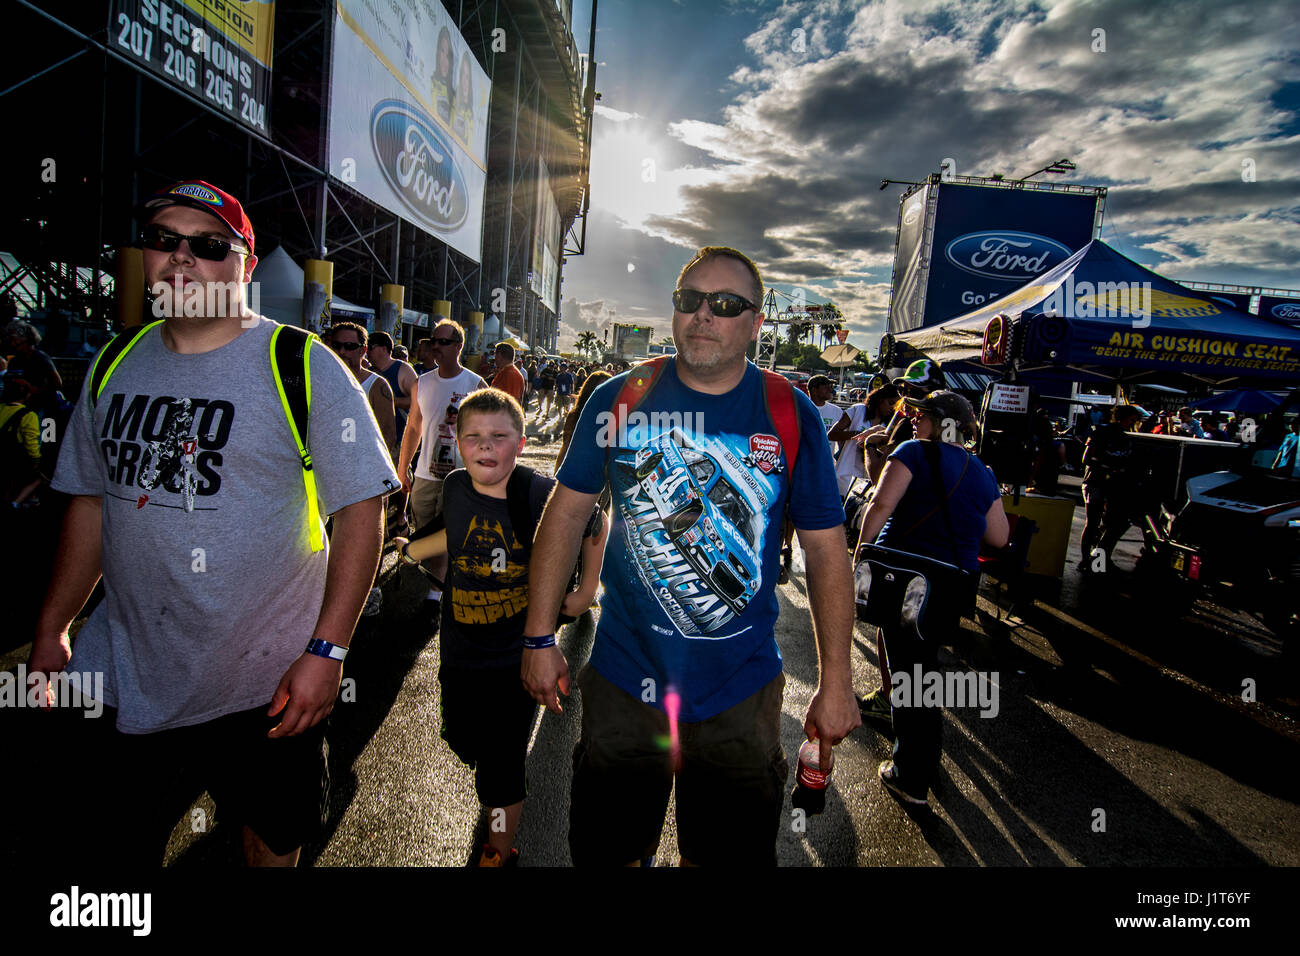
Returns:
<point x="685" y="675"/>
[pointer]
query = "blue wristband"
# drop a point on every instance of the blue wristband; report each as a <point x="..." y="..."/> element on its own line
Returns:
<point x="322" y="648"/>
<point x="539" y="642"/>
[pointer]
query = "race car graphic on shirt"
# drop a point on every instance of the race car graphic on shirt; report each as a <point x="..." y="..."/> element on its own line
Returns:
<point x="694" y="517"/>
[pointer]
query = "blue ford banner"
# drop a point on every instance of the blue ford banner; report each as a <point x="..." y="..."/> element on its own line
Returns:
<point x="418" y="164"/>
<point x="988" y="241"/>
<point x="409" y="107"/>
<point x="1280" y="309"/>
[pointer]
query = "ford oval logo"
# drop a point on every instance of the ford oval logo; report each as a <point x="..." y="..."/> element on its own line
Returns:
<point x="1287" y="310"/>
<point x="1000" y="254"/>
<point x="418" y="164"/>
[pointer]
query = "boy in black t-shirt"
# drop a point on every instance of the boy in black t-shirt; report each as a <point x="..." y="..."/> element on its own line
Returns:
<point x="490" y="510"/>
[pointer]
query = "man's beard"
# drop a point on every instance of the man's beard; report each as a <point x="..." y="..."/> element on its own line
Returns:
<point x="704" y="356"/>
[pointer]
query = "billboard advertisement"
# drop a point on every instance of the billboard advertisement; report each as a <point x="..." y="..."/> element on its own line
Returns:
<point x="545" y="276"/>
<point x="909" y="276"/>
<point x="1280" y="309"/>
<point x="217" y="52"/>
<point x="989" y="241"/>
<point x="408" y="117"/>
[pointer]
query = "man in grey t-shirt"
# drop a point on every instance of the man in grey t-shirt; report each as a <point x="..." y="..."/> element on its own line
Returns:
<point x="190" y="498"/>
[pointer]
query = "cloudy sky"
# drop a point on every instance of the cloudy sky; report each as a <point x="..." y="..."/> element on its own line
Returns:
<point x="768" y="126"/>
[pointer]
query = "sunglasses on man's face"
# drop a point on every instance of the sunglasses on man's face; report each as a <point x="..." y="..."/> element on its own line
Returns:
<point x="158" y="239"/>
<point x="442" y="341"/>
<point x="346" y="346"/>
<point x="723" y="304"/>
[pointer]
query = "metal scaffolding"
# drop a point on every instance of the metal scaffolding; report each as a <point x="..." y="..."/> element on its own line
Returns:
<point x="63" y="234"/>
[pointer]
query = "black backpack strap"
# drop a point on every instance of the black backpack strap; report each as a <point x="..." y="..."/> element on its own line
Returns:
<point x="290" y="357"/>
<point x="520" y="505"/>
<point x="290" y="350"/>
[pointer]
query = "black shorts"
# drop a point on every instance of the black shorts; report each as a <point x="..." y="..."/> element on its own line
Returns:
<point x="144" y="783"/>
<point x="730" y="786"/>
<point x="487" y="720"/>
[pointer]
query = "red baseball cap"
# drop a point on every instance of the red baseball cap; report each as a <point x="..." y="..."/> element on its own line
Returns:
<point x="200" y="195"/>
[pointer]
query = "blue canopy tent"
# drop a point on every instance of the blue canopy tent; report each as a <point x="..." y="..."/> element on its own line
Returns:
<point x="1100" y="316"/>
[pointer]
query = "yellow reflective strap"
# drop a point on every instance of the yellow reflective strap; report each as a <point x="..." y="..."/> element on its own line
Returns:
<point x="308" y="473"/>
<point x="118" y="361"/>
<point x="315" y="527"/>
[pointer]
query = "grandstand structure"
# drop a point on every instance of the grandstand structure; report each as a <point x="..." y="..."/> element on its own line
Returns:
<point x="94" y="127"/>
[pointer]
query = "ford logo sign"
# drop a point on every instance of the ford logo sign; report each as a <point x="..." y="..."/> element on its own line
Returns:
<point x="418" y="164"/>
<point x="1287" y="310"/>
<point x="1000" y="254"/>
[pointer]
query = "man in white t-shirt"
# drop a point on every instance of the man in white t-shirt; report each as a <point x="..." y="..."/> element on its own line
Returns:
<point x="836" y="421"/>
<point x="850" y="464"/>
<point x="431" y="428"/>
<point x="822" y="390"/>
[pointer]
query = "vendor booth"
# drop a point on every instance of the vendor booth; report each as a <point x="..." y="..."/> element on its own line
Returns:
<point x="1102" y="316"/>
<point x="280" y="285"/>
<point x="1102" y="319"/>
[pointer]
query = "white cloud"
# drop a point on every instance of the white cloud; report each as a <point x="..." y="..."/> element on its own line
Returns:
<point x="1164" y="117"/>
<point x="617" y="116"/>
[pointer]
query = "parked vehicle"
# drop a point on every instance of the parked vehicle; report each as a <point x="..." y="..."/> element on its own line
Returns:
<point x="1237" y="537"/>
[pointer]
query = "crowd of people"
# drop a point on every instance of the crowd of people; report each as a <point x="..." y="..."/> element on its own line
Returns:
<point x="209" y="451"/>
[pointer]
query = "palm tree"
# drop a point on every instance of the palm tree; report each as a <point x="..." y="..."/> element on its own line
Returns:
<point x="588" y="344"/>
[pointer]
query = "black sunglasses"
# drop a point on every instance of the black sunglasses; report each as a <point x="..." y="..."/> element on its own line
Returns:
<point x="441" y="341"/>
<point x="346" y="346"/>
<point x="158" y="239"/>
<point x="723" y="304"/>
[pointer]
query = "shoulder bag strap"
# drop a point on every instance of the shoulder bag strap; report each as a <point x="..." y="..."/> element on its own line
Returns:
<point x="934" y="452"/>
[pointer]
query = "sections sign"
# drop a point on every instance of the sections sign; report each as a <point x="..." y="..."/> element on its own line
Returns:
<point x="215" y="51"/>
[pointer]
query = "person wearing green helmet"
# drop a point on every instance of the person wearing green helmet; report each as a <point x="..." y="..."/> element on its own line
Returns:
<point x="921" y="378"/>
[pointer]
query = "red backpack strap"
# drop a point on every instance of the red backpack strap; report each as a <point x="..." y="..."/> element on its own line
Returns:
<point x="640" y="379"/>
<point x="778" y="394"/>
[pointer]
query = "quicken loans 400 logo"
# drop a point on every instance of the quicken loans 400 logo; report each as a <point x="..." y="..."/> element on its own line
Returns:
<point x="418" y="164"/>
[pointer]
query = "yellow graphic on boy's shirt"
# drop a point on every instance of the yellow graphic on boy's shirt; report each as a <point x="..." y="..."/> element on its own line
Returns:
<point x="486" y="555"/>
<point x="486" y="607"/>
<point x="483" y="550"/>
